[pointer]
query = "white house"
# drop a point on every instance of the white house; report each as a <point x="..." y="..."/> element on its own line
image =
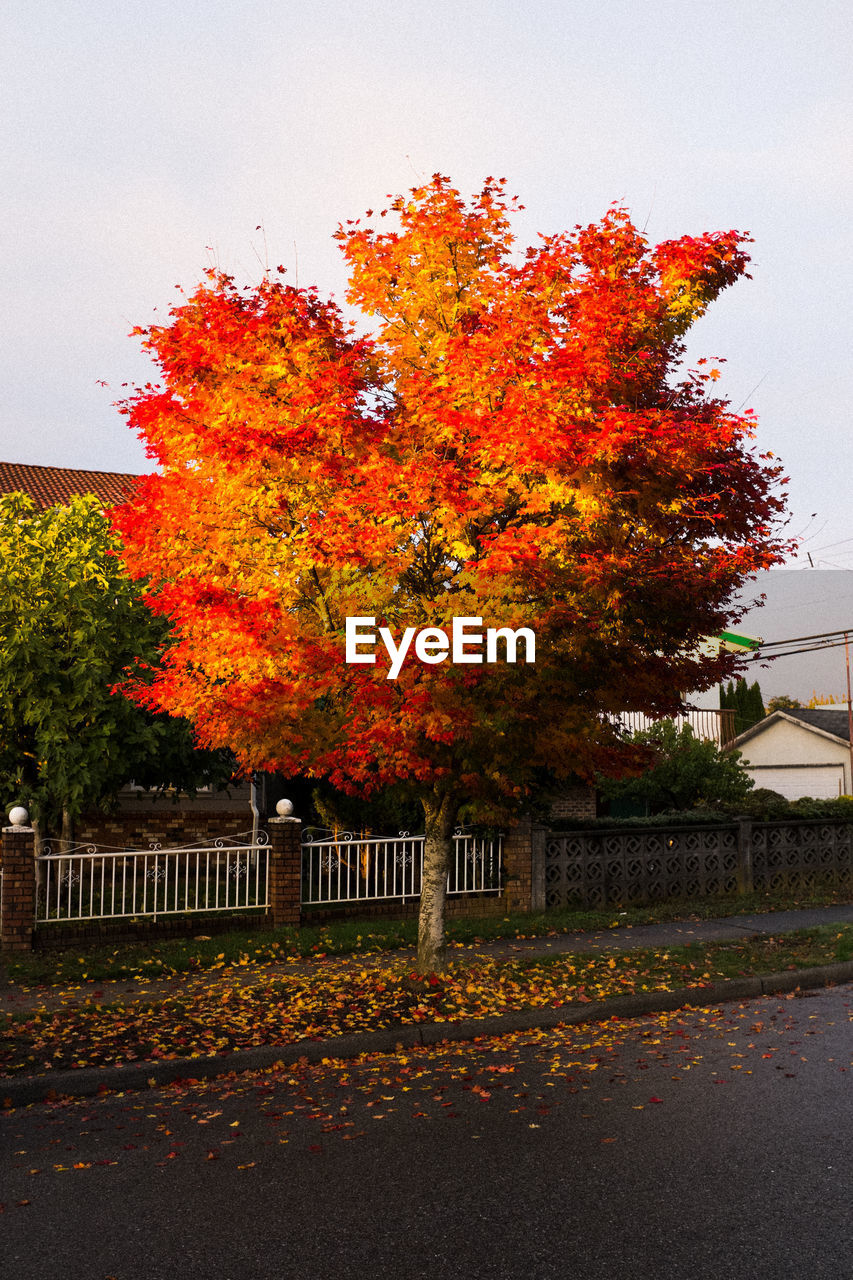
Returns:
<point x="800" y="753"/>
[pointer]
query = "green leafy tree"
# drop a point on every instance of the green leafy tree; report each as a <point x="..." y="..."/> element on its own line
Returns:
<point x="782" y="703"/>
<point x="756" y="703"/>
<point x="746" y="702"/>
<point x="387" y="811"/>
<point x="684" y="772"/>
<point x="72" y="626"/>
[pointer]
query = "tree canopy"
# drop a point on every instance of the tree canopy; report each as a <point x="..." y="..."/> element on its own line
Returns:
<point x="782" y="702"/>
<point x="515" y="441"/>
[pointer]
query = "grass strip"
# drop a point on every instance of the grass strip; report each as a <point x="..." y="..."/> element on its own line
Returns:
<point x="240" y="947"/>
<point x="331" y="1000"/>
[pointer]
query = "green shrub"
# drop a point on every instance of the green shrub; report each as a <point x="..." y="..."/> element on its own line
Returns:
<point x="685" y="772"/>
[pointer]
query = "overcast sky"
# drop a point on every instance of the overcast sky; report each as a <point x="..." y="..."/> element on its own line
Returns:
<point x="143" y="142"/>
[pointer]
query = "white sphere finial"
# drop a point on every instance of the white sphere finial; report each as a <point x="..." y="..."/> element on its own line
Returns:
<point x="284" y="808"/>
<point x="18" y="816"/>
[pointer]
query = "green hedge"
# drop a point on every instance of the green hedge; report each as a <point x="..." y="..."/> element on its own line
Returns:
<point x="760" y="805"/>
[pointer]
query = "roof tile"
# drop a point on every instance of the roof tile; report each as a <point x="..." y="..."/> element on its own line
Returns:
<point x="48" y="486"/>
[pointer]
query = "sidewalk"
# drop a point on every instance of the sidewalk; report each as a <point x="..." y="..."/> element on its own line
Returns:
<point x="22" y="1090"/>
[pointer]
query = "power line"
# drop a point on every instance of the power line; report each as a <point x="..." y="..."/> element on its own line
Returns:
<point x="820" y="635"/>
<point x="796" y="645"/>
<point x="830" y="545"/>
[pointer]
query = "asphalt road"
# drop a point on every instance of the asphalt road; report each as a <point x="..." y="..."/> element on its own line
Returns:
<point x="713" y="1143"/>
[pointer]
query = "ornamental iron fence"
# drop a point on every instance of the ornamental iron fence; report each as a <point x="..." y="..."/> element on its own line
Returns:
<point x="344" y="867"/>
<point x="91" y="882"/>
<point x="94" y="882"/>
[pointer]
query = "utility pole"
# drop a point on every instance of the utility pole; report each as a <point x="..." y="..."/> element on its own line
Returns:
<point x="849" y="707"/>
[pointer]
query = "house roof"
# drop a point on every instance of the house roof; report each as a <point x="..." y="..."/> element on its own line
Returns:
<point x="830" y="719"/>
<point x="48" y="486"/>
<point x="831" y="722"/>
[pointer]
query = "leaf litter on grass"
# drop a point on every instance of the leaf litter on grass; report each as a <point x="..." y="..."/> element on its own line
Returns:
<point x="219" y="1015"/>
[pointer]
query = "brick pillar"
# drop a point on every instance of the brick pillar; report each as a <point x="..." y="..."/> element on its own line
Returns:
<point x="285" y="870"/>
<point x="19" y="887"/>
<point x="518" y="865"/>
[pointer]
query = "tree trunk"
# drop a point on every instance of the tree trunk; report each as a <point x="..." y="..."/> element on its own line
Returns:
<point x="440" y="813"/>
<point x="67" y="836"/>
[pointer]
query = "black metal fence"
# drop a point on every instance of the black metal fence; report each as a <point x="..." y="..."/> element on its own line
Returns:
<point x="633" y="865"/>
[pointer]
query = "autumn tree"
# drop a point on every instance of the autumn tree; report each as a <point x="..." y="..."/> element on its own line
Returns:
<point x="514" y="442"/>
<point x="72" y="624"/>
<point x="816" y="700"/>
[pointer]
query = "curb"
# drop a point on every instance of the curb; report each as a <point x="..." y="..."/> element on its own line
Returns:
<point x="55" y="1085"/>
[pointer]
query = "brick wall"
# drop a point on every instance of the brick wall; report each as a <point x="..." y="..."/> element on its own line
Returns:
<point x="93" y="933"/>
<point x="575" y="802"/>
<point x="166" y="827"/>
<point x="458" y="906"/>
